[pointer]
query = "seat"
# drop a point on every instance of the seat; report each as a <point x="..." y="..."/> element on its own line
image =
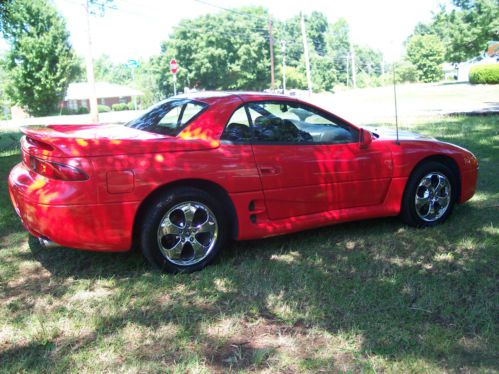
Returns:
<point x="237" y="132"/>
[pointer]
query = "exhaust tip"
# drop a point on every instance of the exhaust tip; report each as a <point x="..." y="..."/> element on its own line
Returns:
<point x="46" y="243"/>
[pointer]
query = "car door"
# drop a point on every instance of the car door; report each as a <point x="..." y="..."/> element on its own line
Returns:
<point x="310" y="161"/>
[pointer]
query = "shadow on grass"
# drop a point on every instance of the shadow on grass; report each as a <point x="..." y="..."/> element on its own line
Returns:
<point x="9" y="222"/>
<point x="395" y="287"/>
<point x="404" y="293"/>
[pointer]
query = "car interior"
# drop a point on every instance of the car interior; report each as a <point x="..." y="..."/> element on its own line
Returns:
<point x="295" y="125"/>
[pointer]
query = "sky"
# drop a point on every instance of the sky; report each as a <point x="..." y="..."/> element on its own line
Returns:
<point x="135" y="29"/>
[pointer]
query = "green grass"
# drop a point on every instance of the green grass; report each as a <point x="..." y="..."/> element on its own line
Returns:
<point x="366" y="296"/>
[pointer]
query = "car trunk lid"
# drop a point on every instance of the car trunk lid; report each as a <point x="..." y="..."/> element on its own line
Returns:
<point x="101" y="140"/>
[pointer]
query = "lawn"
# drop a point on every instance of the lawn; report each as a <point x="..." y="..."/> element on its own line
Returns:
<point x="366" y="296"/>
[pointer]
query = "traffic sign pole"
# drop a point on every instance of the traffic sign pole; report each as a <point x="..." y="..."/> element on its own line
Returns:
<point x="173" y="70"/>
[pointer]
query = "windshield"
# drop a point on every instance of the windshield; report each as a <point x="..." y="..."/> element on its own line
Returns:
<point x="168" y="117"/>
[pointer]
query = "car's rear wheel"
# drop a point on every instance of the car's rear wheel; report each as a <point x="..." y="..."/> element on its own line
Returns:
<point x="183" y="231"/>
<point x="430" y="195"/>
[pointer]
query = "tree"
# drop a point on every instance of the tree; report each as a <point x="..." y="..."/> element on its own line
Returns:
<point x="323" y="73"/>
<point x="465" y="29"/>
<point x="40" y="61"/>
<point x="426" y="52"/>
<point x="3" y="99"/>
<point x="229" y="50"/>
<point x="368" y="60"/>
<point x="317" y="28"/>
<point x="338" y="42"/>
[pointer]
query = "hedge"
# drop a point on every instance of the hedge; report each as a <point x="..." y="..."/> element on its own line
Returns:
<point x="485" y="74"/>
<point x="119" y="107"/>
<point x="103" y="108"/>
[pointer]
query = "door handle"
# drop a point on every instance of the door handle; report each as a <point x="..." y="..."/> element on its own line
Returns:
<point x="269" y="170"/>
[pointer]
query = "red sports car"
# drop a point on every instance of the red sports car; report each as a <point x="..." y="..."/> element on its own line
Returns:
<point x="198" y="170"/>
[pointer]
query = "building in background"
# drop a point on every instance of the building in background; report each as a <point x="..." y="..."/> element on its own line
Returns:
<point x="77" y="96"/>
<point x="490" y="56"/>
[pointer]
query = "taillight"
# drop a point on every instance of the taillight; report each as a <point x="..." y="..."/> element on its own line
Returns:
<point x="56" y="170"/>
<point x="39" y="144"/>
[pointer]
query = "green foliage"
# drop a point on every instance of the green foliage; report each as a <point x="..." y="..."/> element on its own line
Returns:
<point x="82" y="110"/>
<point x="317" y="27"/>
<point x="405" y="71"/>
<point x="368" y="60"/>
<point x="426" y="52"/>
<point x="131" y="106"/>
<point x="40" y="60"/>
<point x="338" y="41"/>
<point x="323" y="73"/>
<point x="4" y="102"/>
<point x="485" y="74"/>
<point x="103" y="108"/>
<point x="465" y="29"/>
<point x="107" y="71"/>
<point x="290" y="32"/>
<point x="4" y="12"/>
<point x="220" y="51"/>
<point x="118" y="107"/>
<point x="329" y="50"/>
<point x="295" y="78"/>
<point x="66" y="111"/>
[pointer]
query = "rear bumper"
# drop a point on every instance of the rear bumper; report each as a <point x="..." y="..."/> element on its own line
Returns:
<point x="99" y="227"/>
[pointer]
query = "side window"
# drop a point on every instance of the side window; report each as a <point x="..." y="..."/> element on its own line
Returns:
<point x="179" y="115"/>
<point x="168" y="117"/>
<point x="190" y="110"/>
<point x="238" y="128"/>
<point x="288" y="122"/>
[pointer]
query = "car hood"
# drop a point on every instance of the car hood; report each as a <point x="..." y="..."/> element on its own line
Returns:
<point x="388" y="134"/>
<point x="101" y="140"/>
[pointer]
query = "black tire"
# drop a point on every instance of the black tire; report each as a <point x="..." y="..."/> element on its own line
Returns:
<point x="409" y="211"/>
<point x="152" y="241"/>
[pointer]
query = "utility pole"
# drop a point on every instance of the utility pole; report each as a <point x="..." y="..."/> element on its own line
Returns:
<point x="395" y="102"/>
<point x="271" y="40"/>
<point x="305" y="49"/>
<point x="354" y="75"/>
<point x="94" y="113"/>
<point x="283" y="50"/>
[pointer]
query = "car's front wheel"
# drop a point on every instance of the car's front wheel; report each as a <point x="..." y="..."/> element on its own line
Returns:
<point x="430" y="195"/>
<point x="183" y="231"/>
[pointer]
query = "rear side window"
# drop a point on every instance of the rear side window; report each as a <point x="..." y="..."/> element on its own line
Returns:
<point x="168" y="117"/>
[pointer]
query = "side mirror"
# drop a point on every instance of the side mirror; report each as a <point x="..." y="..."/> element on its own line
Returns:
<point x="365" y="138"/>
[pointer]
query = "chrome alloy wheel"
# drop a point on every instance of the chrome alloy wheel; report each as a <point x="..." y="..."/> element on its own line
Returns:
<point x="187" y="233"/>
<point x="433" y="196"/>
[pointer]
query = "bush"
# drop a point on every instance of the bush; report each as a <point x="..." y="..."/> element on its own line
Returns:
<point x="83" y="110"/>
<point x="366" y="80"/>
<point x="485" y="74"/>
<point x="103" y="108"/>
<point x="119" y="107"/>
<point x="131" y="106"/>
<point x="4" y="113"/>
<point x="405" y="72"/>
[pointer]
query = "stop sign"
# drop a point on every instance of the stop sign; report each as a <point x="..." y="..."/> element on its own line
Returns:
<point x="173" y="66"/>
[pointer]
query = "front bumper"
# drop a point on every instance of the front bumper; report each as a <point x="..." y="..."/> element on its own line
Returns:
<point x="99" y="227"/>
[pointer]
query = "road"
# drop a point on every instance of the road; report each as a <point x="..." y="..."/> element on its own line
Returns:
<point x="360" y="106"/>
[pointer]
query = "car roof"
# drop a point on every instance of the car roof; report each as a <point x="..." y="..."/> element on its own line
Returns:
<point x="207" y="96"/>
